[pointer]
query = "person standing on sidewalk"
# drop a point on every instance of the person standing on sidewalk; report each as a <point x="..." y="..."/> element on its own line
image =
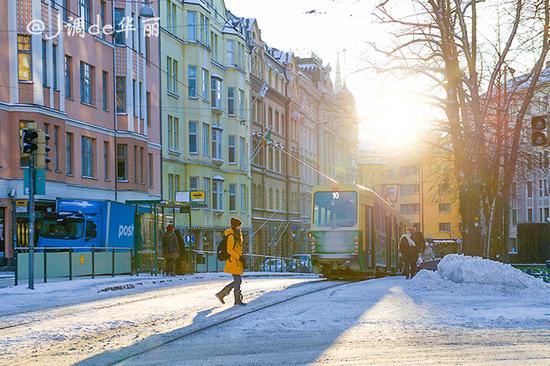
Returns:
<point x="170" y="250"/>
<point x="235" y="262"/>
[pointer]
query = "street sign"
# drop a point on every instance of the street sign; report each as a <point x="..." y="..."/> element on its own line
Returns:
<point x="182" y="197"/>
<point x="189" y="239"/>
<point x="198" y="196"/>
<point x="21" y="206"/>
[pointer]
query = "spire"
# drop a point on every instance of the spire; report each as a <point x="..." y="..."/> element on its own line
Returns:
<point x="338" y="84"/>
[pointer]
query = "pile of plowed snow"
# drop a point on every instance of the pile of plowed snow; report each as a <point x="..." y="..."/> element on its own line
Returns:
<point x="459" y="273"/>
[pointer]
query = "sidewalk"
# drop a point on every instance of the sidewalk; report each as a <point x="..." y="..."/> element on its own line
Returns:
<point x="18" y="299"/>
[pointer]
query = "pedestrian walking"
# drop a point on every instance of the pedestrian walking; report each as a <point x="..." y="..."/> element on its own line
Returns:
<point x="407" y="248"/>
<point x="235" y="262"/>
<point x="170" y="250"/>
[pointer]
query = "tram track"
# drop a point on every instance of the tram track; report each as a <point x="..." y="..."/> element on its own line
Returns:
<point x="224" y="321"/>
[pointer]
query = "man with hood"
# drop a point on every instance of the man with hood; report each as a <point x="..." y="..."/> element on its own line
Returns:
<point x="235" y="262"/>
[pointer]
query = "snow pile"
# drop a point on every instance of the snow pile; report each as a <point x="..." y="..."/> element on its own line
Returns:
<point x="474" y="274"/>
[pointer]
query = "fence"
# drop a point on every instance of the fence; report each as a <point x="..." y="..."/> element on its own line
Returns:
<point x="73" y="262"/>
<point x="207" y="261"/>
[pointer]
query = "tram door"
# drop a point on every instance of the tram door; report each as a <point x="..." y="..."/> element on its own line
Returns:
<point x="368" y="239"/>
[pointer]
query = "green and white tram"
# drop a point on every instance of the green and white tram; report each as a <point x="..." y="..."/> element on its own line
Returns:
<point x="354" y="232"/>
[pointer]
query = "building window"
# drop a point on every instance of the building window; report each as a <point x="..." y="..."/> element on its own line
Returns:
<point x="120" y="35"/>
<point x="409" y="170"/>
<point x="86" y="83"/>
<point x="444" y="207"/>
<point x="105" y="90"/>
<point x="171" y="15"/>
<point x="106" y="159"/>
<point x="102" y="12"/>
<point x="546" y="215"/>
<point x="87" y="156"/>
<point x="141" y="165"/>
<point x="68" y="76"/>
<point x="69" y="153"/>
<point x="170" y="187"/>
<point x="205" y="139"/>
<point x="216" y="93"/>
<point x="44" y="63"/>
<point x="244" y="198"/>
<point x="241" y="104"/>
<point x="55" y="73"/>
<point x="135" y="164"/>
<point x="514" y="216"/>
<point x="205" y="78"/>
<point x="529" y="189"/>
<point x="192" y="81"/>
<point x="445" y="227"/>
<point x="407" y="189"/>
<point x="56" y="148"/>
<point x="242" y="151"/>
<point x="541" y="188"/>
<point x="192" y="26"/>
<point x="150" y="170"/>
<point x="231" y="150"/>
<point x="193" y="148"/>
<point x="231" y="101"/>
<point x="47" y="132"/>
<point x="207" y="191"/>
<point x="134" y="94"/>
<point x="24" y="57"/>
<point x="410" y="208"/>
<point x="173" y="133"/>
<point x="85" y="13"/>
<point x="148" y="108"/>
<point x="66" y="10"/>
<point x="529" y="215"/>
<point x="232" y="197"/>
<point x="217" y="195"/>
<point x="217" y="144"/>
<point x="172" y="75"/>
<point x="122" y="162"/>
<point x="230" y="52"/>
<point x="193" y="183"/>
<point x="120" y="94"/>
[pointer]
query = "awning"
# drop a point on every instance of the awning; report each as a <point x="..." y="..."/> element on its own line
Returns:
<point x="218" y="177"/>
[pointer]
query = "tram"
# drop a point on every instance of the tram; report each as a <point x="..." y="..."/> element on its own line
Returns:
<point x="354" y="233"/>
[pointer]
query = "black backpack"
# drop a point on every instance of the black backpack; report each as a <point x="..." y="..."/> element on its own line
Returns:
<point x="222" y="253"/>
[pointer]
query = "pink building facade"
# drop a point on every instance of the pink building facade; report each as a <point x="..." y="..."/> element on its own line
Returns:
<point x="97" y="96"/>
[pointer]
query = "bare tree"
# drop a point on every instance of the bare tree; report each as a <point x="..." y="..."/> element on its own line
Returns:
<point x="474" y="87"/>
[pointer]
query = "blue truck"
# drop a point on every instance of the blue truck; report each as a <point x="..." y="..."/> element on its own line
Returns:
<point x="88" y="223"/>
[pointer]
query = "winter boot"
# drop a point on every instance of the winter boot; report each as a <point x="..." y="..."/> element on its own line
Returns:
<point x="220" y="297"/>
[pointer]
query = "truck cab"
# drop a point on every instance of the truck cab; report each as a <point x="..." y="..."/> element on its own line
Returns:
<point x="75" y="224"/>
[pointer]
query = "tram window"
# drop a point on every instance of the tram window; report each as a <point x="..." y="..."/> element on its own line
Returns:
<point x="335" y="209"/>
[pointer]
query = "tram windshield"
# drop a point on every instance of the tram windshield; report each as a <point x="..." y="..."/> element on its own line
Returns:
<point x="335" y="209"/>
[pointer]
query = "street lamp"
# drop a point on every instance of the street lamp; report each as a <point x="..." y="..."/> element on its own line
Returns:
<point x="146" y="10"/>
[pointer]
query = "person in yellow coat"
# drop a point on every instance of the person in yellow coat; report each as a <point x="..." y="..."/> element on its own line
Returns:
<point x="235" y="262"/>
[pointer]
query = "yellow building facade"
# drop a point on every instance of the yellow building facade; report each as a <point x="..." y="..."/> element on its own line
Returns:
<point x="419" y="187"/>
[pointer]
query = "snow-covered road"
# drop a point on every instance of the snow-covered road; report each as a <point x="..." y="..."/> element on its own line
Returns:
<point x="391" y="321"/>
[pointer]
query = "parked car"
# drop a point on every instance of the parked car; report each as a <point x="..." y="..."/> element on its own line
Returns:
<point x="303" y="261"/>
<point x="278" y="265"/>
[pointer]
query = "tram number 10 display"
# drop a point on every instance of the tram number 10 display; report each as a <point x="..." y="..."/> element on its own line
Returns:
<point x="335" y="195"/>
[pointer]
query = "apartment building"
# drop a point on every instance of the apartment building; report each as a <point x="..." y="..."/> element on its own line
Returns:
<point x="95" y="94"/>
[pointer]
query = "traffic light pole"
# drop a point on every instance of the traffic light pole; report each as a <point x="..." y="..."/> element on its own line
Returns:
<point x="31" y="221"/>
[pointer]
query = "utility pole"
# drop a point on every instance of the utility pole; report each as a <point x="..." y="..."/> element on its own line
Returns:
<point x="31" y="221"/>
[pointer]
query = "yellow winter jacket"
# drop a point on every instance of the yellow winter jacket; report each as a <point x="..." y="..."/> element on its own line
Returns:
<point x="235" y="249"/>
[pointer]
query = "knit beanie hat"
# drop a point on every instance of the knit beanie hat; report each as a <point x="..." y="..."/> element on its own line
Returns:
<point x="235" y="223"/>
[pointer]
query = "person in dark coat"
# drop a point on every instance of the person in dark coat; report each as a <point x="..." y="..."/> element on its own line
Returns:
<point x="418" y="239"/>
<point x="408" y="253"/>
<point x="235" y="263"/>
<point x="170" y="250"/>
<point x="182" y="259"/>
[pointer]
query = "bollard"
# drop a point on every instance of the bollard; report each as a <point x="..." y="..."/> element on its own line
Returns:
<point x="70" y="264"/>
<point x="112" y="262"/>
<point x="207" y="269"/>
<point x="44" y="252"/>
<point x="93" y="264"/>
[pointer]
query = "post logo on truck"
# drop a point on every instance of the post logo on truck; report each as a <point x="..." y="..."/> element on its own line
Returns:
<point x="125" y="230"/>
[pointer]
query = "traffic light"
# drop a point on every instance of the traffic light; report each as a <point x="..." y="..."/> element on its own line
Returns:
<point x="539" y="132"/>
<point x="28" y="141"/>
<point x="42" y="152"/>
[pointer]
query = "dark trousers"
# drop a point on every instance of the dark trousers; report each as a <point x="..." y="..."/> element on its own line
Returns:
<point x="409" y="268"/>
<point x="235" y="286"/>
<point x="170" y="266"/>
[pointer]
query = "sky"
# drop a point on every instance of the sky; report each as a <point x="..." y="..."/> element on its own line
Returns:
<point x="386" y="109"/>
